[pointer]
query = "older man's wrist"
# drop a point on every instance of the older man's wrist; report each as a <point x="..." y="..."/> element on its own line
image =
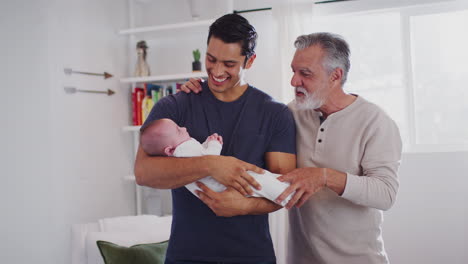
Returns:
<point x="335" y="180"/>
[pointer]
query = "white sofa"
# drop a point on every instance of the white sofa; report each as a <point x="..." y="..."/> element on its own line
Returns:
<point x="123" y="231"/>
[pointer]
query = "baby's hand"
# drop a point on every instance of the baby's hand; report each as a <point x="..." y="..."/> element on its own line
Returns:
<point x="215" y="137"/>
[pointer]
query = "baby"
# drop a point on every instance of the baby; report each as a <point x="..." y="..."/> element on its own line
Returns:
<point x="163" y="137"/>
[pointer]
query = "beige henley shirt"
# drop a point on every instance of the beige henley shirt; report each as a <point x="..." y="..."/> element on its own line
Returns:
<point x="364" y="142"/>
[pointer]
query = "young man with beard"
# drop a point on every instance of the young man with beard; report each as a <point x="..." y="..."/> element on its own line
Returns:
<point x="349" y="151"/>
<point x="258" y="132"/>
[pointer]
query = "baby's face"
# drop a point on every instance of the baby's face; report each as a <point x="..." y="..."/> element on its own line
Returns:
<point x="179" y="134"/>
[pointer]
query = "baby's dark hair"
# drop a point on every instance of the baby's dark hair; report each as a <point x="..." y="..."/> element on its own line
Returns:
<point x="149" y="135"/>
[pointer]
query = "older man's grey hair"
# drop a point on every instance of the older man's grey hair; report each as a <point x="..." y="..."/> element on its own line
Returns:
<point x="335" y="47"/>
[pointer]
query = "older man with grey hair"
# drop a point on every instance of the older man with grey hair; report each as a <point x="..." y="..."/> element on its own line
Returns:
<point x="348" y="152"/>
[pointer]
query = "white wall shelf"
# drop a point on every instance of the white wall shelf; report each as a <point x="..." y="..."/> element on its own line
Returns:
<point x="131" y="128"/>
<point x="130" y="178"/>
<point x="135" y="130"/>
<point x="167" y="27"/>
<point x="163" y="78"/>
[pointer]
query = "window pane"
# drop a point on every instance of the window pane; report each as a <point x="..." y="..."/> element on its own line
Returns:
<point x="440" y="71"/>
<point x="377" y="70"/>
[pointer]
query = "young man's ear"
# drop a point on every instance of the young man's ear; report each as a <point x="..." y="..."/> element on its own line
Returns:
<point x="169" y="151"/>
<point x="250" y="61"/>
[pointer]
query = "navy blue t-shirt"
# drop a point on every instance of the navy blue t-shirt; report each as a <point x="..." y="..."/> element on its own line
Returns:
<point x="250" y="126"/>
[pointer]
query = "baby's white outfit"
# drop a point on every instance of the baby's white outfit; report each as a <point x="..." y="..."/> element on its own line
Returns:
<point x="271" y="187"/>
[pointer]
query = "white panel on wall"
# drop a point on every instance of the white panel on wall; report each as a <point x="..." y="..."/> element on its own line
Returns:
<point x="26" y="195"/>
<point x="63" y="156"/>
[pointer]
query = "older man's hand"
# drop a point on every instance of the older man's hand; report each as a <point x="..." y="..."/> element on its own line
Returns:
<point x="305" y="182"/>
<point x="192" y="85"/>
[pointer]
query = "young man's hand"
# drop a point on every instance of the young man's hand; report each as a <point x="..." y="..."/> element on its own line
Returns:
<point x="227" y="203"/>
<point x="192" y="85"/>
<point x="232" y="172"/>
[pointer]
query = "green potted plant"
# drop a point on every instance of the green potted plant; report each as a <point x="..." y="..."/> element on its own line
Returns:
<point x="196" y="64"/>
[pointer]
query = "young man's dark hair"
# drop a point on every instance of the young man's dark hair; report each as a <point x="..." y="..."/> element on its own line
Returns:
<point x="233" y="28"/>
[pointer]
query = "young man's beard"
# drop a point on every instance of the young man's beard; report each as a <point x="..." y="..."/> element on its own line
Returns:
<point x="309" y="101"/>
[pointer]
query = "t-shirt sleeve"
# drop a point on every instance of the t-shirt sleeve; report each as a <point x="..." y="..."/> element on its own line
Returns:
<point x="166" y="107"/>
<point x="284" y="132"/>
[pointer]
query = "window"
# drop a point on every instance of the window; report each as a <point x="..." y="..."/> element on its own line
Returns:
<point x="439" y="49"/>
<point x="411" y="61"/>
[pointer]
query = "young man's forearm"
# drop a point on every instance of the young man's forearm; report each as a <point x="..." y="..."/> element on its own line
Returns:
<point x="168" y="172"/>
<point x="258" y="206"/>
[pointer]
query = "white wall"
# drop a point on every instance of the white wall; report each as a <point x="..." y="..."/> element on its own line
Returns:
<point x="429" y="221"/>
<point x="62" y="156"/>
<point x="26" y="195"/>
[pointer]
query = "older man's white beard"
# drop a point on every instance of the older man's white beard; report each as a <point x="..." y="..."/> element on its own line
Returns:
<point x="309" y="101"/>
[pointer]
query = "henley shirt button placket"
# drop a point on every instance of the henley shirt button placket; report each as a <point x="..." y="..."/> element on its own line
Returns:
<point x="321" y="130"/>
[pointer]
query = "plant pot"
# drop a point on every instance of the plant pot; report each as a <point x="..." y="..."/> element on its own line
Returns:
<point x="196" y="66"/>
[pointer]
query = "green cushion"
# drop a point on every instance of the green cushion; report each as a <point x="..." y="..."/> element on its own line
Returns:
<point x="154" y="253"/>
